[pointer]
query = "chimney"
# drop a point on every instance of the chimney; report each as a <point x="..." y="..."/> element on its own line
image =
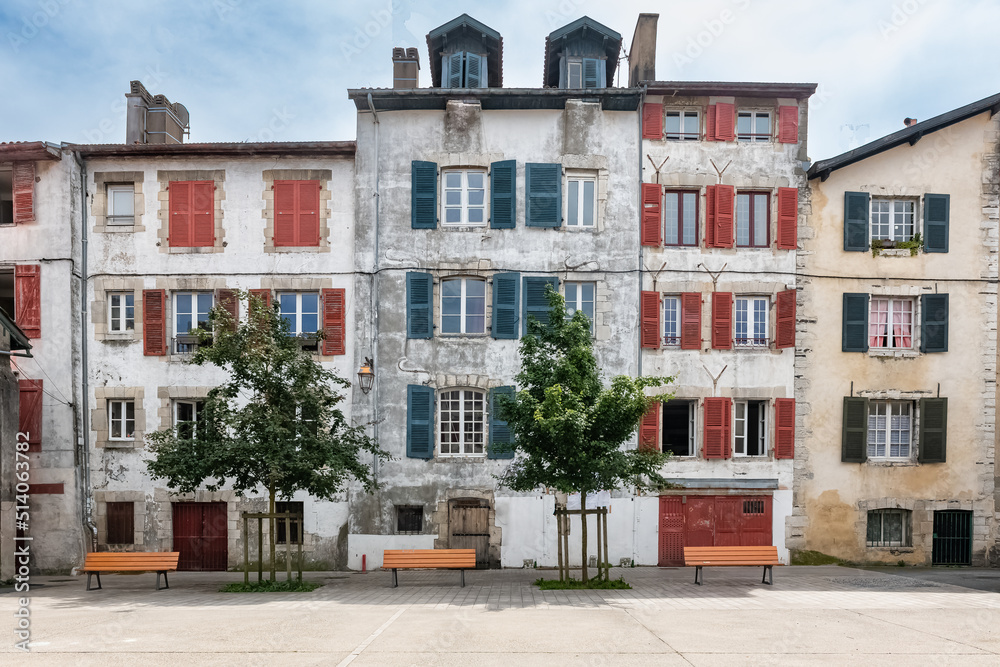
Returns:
<point x="153" y="119"/>
<point x="909" y="121"/>
<point x="642" y="57"/>
<point x="405" y="68"/>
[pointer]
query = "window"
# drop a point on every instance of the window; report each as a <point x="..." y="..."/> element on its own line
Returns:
<point x="121" y="311"/>
<point x="581" y="204"/>
<point x="682" y="125"/>
<point x="750" y="428"/>
<point x="575" y="74"/>
<point x="121" y="418"/>
<point x="893" y="219"/>
<point x="121" y="204"/>
<point x="121" y="523"/>
<point x="680" y="218"/>
<point x="409" y="519"/>
<point x="751" y="321"/>
<point x="186" y="416"/>
<point x="190" y="312"/>
<point x="585" y="73"/>
<point x="465" y="197"/>
<point x="889" y="429"/>
<point x="6" y="197"/>
<point x="679" y="427"/>
<point x="463" y="306"/>
<point x="192" y="214"/>
<point x="463" y="422"/>
<point x="752" y="218"/>
<point x="753" y="126"/>
<point x="580" y="296"/>
<point x="463" y="69"/>
<point x="671" y="321"/>
<point x="301" y="311"/>
<point x="890" y="324"/>
<point x="296" y="213"/>
<point x="292" y="507"/>
<point x="889" y="528"/>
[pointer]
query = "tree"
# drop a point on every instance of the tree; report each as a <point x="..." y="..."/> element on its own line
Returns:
<point x="275" y="422"/>
<point x="567" y="427"/>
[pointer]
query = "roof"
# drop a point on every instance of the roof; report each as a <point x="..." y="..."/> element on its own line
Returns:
<point x="612" y="42"/>
<point x="909" y="135"/>
<point x="234" y="149"/>
<point x="799" y="91"/>
<point x="437" y="39"/>
<point x="29" y="150"/>
<point x="409" y="99"/>
<point x="18" y="339"/>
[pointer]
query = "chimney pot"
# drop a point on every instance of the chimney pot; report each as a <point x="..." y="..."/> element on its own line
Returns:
<point x="907" y="122"/>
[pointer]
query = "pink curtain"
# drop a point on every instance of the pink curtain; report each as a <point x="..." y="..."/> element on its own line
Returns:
<point x="902" y="324"/>
<point x="877" y="330"/>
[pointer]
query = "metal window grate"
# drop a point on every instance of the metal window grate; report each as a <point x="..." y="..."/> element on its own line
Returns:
<point x="753" y="506"/>
<point x="121" y="523"/>
<point x="294" y="507"/>
<point x="409" y="519"/>
<point x="952" y="538"/>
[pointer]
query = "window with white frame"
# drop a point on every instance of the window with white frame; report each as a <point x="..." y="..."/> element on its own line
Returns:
<point x="889" y="528"/>
<point x="121" y="419"/>
<point x="751" y="321"/>
<point x="671" y="321"/>
<point x="190" y="313"/>
<point x="463" y="422"/>
<point x="301" y="311"/>
<point x="750" y="428"/>
<point x="680" y="218"/>
<point x="893" y="219"/>
<point x="463" y="306"/>
<point x="679" y="428"/>
<point x="121" y="311"/>
<point x="121" y="204"/>
<point x="890" y="323"/>
<point x="581" y="201"/>
<point x="186" y="416"/>
<point x="581" y="296"/>
<point x="464" y="197"/>
<point x="890" y="429"/>
<point x="575" y="73"/>
<point x="753" y="126"/>
<point x="752" y="219"/>
<point x="682" y="125"/>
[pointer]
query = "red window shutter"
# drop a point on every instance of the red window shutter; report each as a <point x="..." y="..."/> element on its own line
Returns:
<point x="179" y="232"/>
<point x="154" y="322"/>
<point x="28" y="299"/>
<point x="24" y="192"/>
<point x="652" y="121"/>
<point x="725" y="198"/>
<point x="264" y="295"/>
<point x="717" y="429"/>
<point x="722" y="320"/>
<point x="651" y="197"/>
<point x="710" y="197"/>
<point x="710" y="123"/>
<point x="650" y="428"/>
<point x="30" y="413"/>
<point x="691" y="321"/>
<point x="285" y="211"/>
<point x="308" y="228"/>
<point x="788" y="125"/>
<point x="784" y="334"/>
<point x="784" y="428"/>
<point x="333" y="321"/>
<point x="203" y="213"/>
<point x="788" y="218"/>
<point x="725" y="121"/>
<point x="230" y="302"/>
<point x="650" y="319"/>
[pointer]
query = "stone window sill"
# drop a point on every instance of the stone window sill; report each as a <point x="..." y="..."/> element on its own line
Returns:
<point x="119" y="444"/>
<point x="898" y="354"/>
<point x="892" y="463"/>
<point x="120" y="336"/>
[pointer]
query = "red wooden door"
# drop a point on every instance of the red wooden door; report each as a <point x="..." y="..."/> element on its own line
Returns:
<point x="711" y="521"/>
<point x="671" y="532"/>
<point x="727" y="521"/>
<point x="699" y="521"/>
<point x="755" y="522"/>
<point x="201" y="536"/>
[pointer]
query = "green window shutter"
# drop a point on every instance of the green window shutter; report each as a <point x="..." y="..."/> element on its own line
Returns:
<point x="934" y="323"/>
<point x="501" y="439"/>
<point x="854" y="446"/>
<point x="936" y="213"/>
<point x="503" y="194"/>
<point x="591" y="71"/>
<point x="419" y="421"/>
<point x="419" y="291"/>
<point x="506" y="293"/>
<point x="856" y="212"/>
<point x="543" y="183"/>
<point x="475" y="70"/>
<point x="855" y="336"/>
<point x="535" y="303"/>
<point x="423" y="195"/>
<point x="933" y="430"/>
<point x="451" y="70"/>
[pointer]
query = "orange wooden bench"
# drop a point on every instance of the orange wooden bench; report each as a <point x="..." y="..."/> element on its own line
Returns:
<point x="699" y="557"/>
<point x="160" y="562"/>
<point x="427" y="559"/>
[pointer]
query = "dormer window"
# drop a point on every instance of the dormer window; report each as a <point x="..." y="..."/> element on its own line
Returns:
<point x="464" y="53"/>
<point x="463" y="70"/>
<point x="584" y="73"/>
<point x="581" y="55"/>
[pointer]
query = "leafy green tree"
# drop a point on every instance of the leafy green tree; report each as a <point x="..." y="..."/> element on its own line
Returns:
<point x="568" y="428"/>
<point x="274" y="423"/>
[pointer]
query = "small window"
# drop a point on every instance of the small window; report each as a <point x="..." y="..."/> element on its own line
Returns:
<point x="580" y="296"/>
<point x="751" y="321"/>
<point x="890" y="324"/>
<point x="409" y="519"/>
<point x="121" y="523"/>
<point x="581" y="204"/>
<point x="680" y="218"/>
<point x="463" y="422"/>
<point x="6" y="197"/>
<point x="584" y="73"/>
<point x="889" y="429"/>
<point x="750" y="428"/>
<point x="753" y="506"/>
<point x="301" y="311"/>
<point x="889" y="528"/>
<point x="293" y="507"/>
<point x="679" y="427"/>
<point x="463" y="306"/>
<point x="893" y="220"/>
<point x="752" y="219"/>
<point x="575" y="74"/>
<point x="186" y="416"/>
<point x="464" y="197"/>
<point x="682" y="125"/>
<point x="121" y="311"/>
<point x="753" y="126"/>
<point x="671" y="321"/>
<point x="121" y="205"/>
<point x="121" y="419"/>
<point x="190" y="313"/>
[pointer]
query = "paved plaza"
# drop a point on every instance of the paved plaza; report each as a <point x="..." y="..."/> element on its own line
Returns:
<point x="812" y="615"/>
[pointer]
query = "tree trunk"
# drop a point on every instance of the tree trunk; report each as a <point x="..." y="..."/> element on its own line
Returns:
<point x="583" y="534"/>
<point x="270" y="510"/>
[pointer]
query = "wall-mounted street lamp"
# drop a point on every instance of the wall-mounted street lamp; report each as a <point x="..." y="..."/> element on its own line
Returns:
<point x="366" y="376"/>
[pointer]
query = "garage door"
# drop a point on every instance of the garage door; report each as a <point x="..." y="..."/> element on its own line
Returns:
<point x="711" y="521"/>
<point x="201" y="536"/>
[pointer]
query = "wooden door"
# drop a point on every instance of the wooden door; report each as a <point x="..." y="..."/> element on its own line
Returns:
<point x="201" y="536"/>
<point x="671" y="531"/>
<point x="469" y="525"/>
<point x="727" y="521"/>
<point x="755" y="521"/>
<point x="699" y="521"/>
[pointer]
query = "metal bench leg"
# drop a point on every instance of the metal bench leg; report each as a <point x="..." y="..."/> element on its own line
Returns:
<point x="697" y="574"/>
<point x="165" y="582"/>
<point x="768" y="576"/>
<point x="96" y="574"/>
<point x="395" y="580"/>
<point x="463" y="578"/>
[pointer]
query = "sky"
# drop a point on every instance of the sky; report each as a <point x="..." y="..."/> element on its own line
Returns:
<point x="260" y="70"/>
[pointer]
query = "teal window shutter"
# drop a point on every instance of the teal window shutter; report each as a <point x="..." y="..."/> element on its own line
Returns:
<point x="936" y="212"/>
<point x="591" y="73"/>
<point x="535" y="303"/>
<point x="501" y="439"/>
<point x="503" y="194"/>
<point x="854" y="441"/>
<point x="475" y="70"/>
<point x="856" y="212"/>
<point x="933" y="430"/>
<point x="451" y="70"/>
<point x="419" y="421"/>
<point x="855" y="334"/>
<point x="423" y="195"/>
<point x="419" y="292"/>
<point x="506" y="292"/>
<point x="934" y="323"/>
<point x="543" y="183"/>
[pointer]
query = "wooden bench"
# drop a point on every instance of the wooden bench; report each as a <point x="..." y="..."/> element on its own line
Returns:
<point x="160" y="562"/>
<point x="699" y="557"/>
<point x="409" y="559"/>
